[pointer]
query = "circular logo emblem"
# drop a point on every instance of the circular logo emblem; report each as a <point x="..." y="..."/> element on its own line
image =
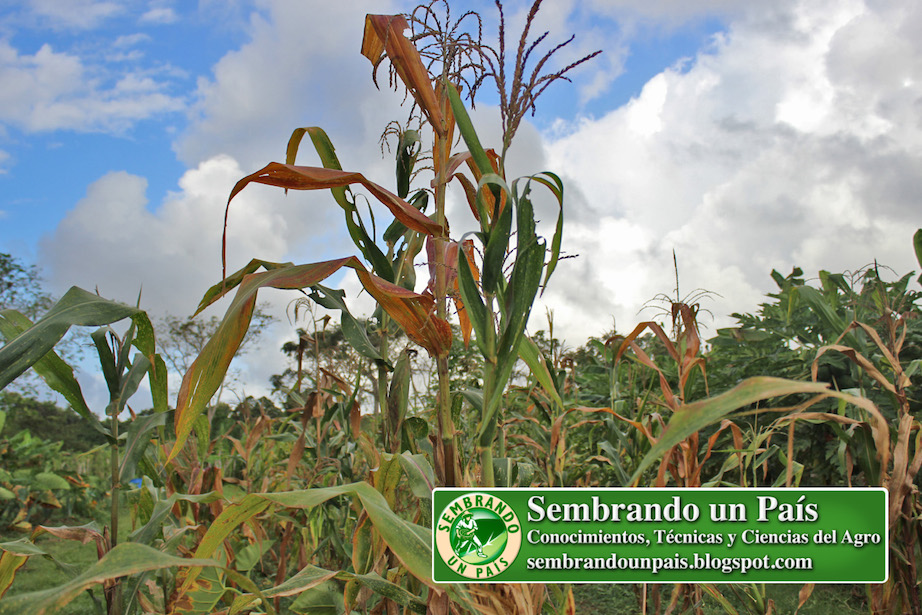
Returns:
<point x="478" y="535"/>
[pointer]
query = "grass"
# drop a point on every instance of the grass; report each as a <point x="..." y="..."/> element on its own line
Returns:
<point x="69" y="559"/>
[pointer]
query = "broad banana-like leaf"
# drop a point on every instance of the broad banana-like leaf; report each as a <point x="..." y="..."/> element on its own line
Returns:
<point x="384" y="37"/>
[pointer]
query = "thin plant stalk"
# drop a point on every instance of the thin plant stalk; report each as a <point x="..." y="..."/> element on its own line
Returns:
<point x="445" y="423"/>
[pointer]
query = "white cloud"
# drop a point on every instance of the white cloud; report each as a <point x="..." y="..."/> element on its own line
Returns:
<point x="75" y="14"/>
<point x="130" y="40"/>
<point x="112" y="240"/>
<point x="796" y="140"/>
<point x="53" y="90"/>
<point x="160" y="15"/>
<point x="301" y="67"/>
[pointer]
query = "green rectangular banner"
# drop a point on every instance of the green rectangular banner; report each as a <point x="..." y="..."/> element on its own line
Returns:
<point x="617" y="535"/>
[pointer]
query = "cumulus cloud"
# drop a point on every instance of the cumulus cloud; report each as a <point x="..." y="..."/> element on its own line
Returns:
<point x="112" y="241"/>
<point x="53" y="90"/>
<point x="779" y="146"/>
<point x="301" y="67"/>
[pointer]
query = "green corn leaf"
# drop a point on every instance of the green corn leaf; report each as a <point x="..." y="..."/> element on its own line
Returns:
<point x="123" y="560"/>
<point x="555" y="185"/>
<point x="497" y="243"/>
<point x="207" y="372"/>
<point x="531" y="354"/>
<point x="132" y="380"/>
<point x="352" y="329"/>
<point x="306" y="579"/>
<point x="136" y="443"/>
<point x="229" y="519"/>
<point x="343" y="197"/>
<point x="520" y="296"/>
<point x="408" y="150"/>
<point x="398" y="396"/>
<point x="411" y="543"/>
<point x="100" y="339"/>
<point x="202" y="598"/>
<point x="157" y="376"/>
<point x="385" y="588"/>
<point x="698" y="415"/>
<point x="503" y="472"/>
<point x="202" y="429"/>
<point x="917" y="246"/>
<point x="56" y="373"/>
<point x="466" y="128"/>
<point x="233" y="281"/>
<point x="419" y="474"/>
<point x="323" y="599"/>
<point x="484" y="336"/>
<point x="363" y="546"/>
<point x="397" y="228"/>
<point x="76" y="307"/>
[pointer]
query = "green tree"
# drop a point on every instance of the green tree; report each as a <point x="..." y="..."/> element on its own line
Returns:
<point x="21" y="287"/>
<point x="53" y="423"/>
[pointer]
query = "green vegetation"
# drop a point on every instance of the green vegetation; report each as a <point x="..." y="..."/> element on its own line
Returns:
<point x="307" y="504"/>
<point x="48" y="420"/>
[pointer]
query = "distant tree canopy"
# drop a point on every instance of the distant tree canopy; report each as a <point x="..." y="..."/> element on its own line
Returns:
<point x="44" y="419"/>
<point x="21" y="287"/>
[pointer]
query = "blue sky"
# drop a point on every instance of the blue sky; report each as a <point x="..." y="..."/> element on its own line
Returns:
<point x="747" y="136"/>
